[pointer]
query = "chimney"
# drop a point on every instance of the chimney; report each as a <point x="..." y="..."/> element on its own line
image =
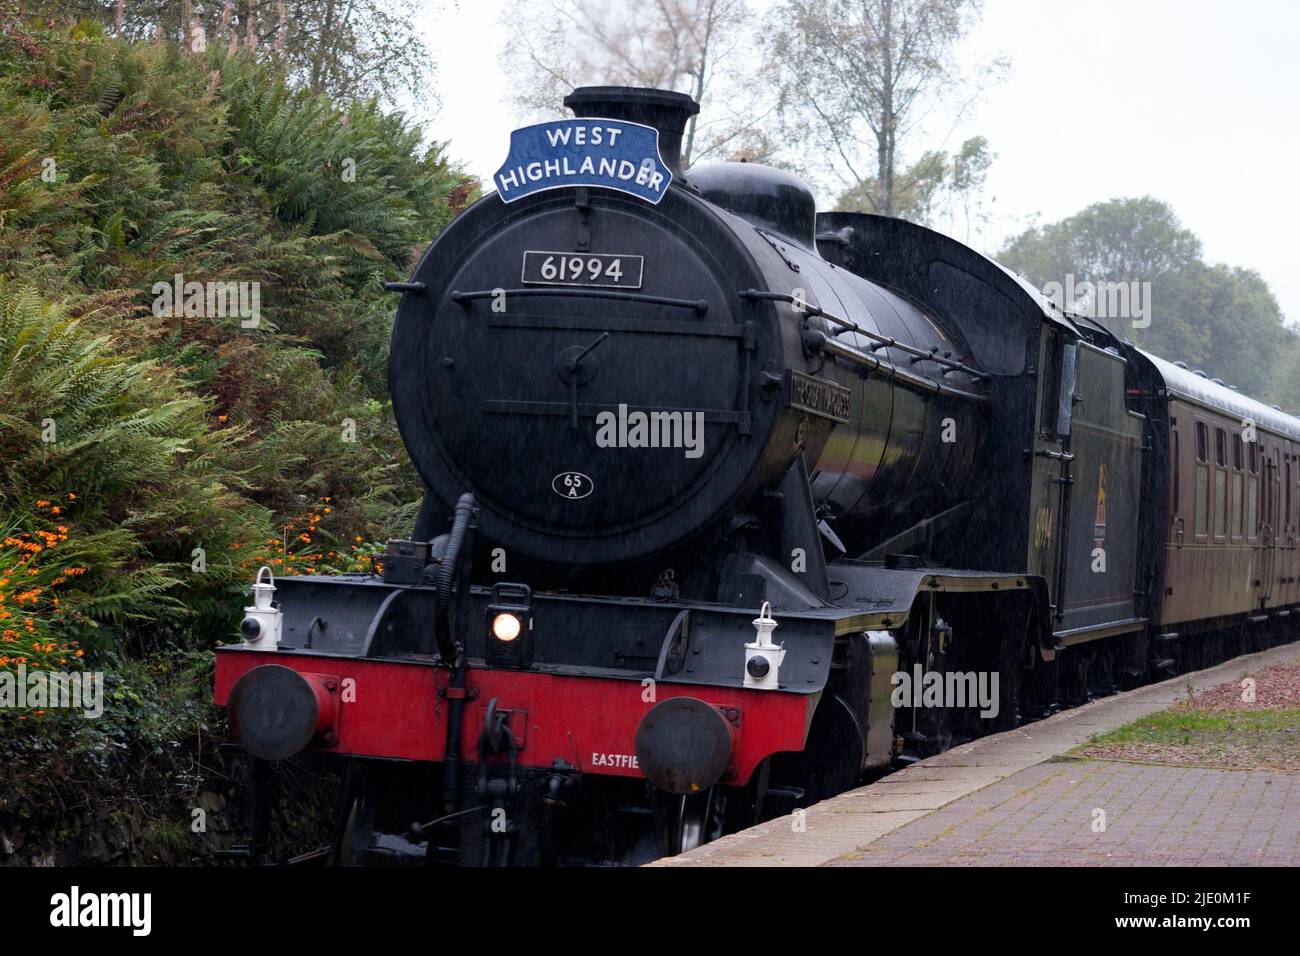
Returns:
<point x="665" y="110"/>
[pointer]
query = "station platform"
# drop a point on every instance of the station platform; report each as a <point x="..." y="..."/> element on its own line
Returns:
<point x="1021" y="798"/>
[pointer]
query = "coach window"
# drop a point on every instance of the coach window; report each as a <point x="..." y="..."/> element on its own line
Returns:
<point x="1051" y="384"/>
<point x="1270" y="494"/>
<point x="1266" y="483"/>
<point x="1287" y="494"/>
<point x="1175" y="497"/>
<point x="1238" y="484"/>
<point x="1202" y="479"/>
<point x="1275" y="492"/>
<point x="1252" y="491"/>
<point x="1220" y="483"/>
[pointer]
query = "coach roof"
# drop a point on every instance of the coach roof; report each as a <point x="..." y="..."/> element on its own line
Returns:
<point x="1203" y="391"/>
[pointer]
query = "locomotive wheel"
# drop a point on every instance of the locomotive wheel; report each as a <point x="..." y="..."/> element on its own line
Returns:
<point x="683" y="822"/>
<point x="345" y="852"/>
<point x="1075" y="676"/>
<point x="1103" y="674"/>
<point x="835" y="751"/>
<point x="1009" y="698"/>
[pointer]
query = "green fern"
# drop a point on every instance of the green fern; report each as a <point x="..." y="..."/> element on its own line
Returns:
<point x="184" y="432"/>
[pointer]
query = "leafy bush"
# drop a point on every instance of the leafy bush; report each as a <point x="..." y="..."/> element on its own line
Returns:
<point x="132" y="435"/>
<point x="124" y="165"/>
<point x="112" y="448"/>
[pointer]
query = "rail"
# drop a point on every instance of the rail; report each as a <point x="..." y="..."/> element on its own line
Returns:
<point x="882" y="341"/>
<point x="699" y="306"/>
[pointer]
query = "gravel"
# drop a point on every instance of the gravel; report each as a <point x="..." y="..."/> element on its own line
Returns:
<point x="1234" y="726"/>
<point x="1276" y="688"/>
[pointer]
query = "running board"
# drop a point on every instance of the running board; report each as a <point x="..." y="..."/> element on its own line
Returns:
<point x="1093" y="632"/>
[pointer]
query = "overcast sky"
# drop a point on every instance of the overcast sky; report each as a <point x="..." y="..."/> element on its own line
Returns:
<point x="1191" y="101"/>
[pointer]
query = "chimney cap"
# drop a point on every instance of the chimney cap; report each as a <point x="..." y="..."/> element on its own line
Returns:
<point x="664" y="110"/>
<point x="586" y="100"/>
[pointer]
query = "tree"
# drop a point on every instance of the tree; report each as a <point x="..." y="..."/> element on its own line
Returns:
<point x="1220" y="319"/>
<point x="1119" y="239"/>
<point x="856" y="77"/>
<point x="690" y="46"/>
<point x="1286" y="375"/>
<point x="936" y="183"/>
<point x="347" y="48"/>
<point x="968" y="173"/>
<point x="914" y="192"/>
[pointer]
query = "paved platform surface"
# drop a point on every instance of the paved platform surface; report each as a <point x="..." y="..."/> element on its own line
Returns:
<point x="1154" y="816"/>
<point x="1004" y="800"/>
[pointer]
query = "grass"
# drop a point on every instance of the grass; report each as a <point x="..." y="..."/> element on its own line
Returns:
<point x="1189" y="736"/>
<point x="1182" y="725"/>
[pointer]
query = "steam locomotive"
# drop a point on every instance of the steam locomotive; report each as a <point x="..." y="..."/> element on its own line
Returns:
<point x="710" y="477"/>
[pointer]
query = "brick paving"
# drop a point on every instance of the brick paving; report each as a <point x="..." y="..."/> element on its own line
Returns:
<point x="1005" y="800"/>
<point x="1154" y="816"/>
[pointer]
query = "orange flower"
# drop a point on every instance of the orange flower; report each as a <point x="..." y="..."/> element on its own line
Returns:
<point x="71" y="496"/>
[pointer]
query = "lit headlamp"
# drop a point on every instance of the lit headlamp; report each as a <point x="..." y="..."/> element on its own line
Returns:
<point x="509" y="620"/>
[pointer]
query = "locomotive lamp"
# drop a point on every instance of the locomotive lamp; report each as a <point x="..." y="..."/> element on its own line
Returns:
<point x="510" y="626"/>
<point x="506" y="626"/>
<point x="763" y="658"/>
<point x="261" y="624"/>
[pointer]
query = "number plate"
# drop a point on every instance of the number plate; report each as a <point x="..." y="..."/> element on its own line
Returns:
<point x="593" y="269"/>
<point x="817" y="396"/>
